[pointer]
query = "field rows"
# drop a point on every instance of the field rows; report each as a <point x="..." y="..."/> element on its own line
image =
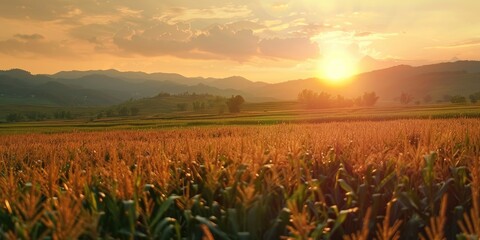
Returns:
<point x="246" y="118"/>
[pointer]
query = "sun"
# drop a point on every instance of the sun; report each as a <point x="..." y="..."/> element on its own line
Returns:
<point x="336" y="68"/>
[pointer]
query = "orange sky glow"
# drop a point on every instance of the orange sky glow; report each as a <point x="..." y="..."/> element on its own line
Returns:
<point x="262" y="40"/>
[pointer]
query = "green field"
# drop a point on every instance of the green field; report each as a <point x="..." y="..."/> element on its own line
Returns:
<point x="252" y="114"/>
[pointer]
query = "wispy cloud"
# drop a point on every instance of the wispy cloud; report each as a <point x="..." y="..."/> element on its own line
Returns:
<point x="182" y="14"/>
<point x="34" y="45"/>
<point x="462" y="44"/>
<point x="289" y="48"/>
<point x="29" y="37"/>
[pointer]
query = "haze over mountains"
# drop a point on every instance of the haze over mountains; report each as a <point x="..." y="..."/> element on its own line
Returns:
<point x="106" y="87"/>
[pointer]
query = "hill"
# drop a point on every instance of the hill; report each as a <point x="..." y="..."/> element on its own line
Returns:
<point x="129" y="76"/>
<point x="40" y="91"/>
<point x="91" y="89"/>
<point x="234" y="82"/>
<point x="103" y="87"/>
<point x="437" y="80"/>
<point x="124" y="89"/>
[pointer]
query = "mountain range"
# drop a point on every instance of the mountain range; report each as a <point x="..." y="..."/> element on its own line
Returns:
<point x="107" y="87"/>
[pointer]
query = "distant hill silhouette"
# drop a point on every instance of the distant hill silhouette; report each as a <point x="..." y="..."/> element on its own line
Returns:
<point x="129" y="76"/>
<point x="104" y="87"/>
<point x="20" y="87"/>
<point x="92" y="88"/>
<point x="437" y="80"/>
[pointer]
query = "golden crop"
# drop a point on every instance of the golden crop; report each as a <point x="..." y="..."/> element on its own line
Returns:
<point x="357" y="180"/>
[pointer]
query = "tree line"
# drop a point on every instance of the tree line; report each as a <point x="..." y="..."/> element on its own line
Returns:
<point x="406" y="98"/>
<point x="459" y="99"/>
<point x="325" y="100"/>
<point x="68" y="115"/>
<point x="38" y="116"/>
<point x="233" y="104"/>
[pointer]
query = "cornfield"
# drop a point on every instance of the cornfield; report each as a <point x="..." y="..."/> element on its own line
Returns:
<point x="405" y="179"/>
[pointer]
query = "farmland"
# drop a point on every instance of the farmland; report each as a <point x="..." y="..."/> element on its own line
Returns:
<point x="252" y="114"/>
<point x="239" y="120"/>
<point x="355" y="179"/>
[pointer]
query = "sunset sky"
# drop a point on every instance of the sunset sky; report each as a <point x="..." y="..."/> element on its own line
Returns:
<point x="271" y="40"/>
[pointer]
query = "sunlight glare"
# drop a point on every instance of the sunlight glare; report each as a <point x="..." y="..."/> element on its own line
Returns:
<point x="337" y="67"/>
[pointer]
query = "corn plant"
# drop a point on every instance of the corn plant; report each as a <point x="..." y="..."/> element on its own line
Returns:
<point x="401" y="179"/>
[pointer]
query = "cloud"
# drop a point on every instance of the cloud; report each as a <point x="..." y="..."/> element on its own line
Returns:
<point x="362" y="34"/>
<point x="161" y="39"/>
<point x="242" y="25"/>
<point x="462" y="44"/>
<point x="182" y="14"/>
<point x="230" y="41"/>
<point x="235" y="30"/>
<point x="40" y="10"/>
<point x="29" y="37"/>
<point x="289" y="48"/>
<point x="52" y="10"/>
<point x="311" y="29"/>
<point x="181" y="41"/>
<point x="222" y="41"/>
<point x="371" y="36"/>
<point x="32" y="45"/>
